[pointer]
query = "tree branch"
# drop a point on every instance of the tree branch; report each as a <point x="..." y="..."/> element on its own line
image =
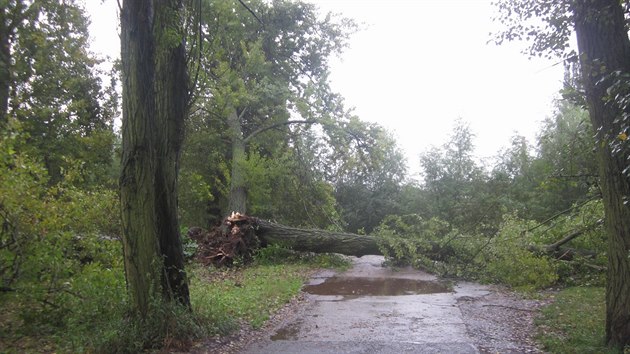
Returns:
<point x="562" y="213"/>
<point x="276" y="125"/>
<point x="251" y="12"/>
<point x="571" y="235"/>
<point x="584" y="175"/>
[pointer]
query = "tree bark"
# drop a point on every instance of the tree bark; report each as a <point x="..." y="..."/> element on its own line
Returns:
<point x="318" y="241"/>
<point x="155" y="100"/>
<point x="237" y="201"/>
<point x="604" y="48"/>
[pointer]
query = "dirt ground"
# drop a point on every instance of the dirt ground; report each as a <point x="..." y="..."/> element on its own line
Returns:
<point x="469" y="318"/>
<point x="502" y="321"/>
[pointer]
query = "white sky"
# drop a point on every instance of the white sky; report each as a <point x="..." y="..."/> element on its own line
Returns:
<point x="418" y="66"/>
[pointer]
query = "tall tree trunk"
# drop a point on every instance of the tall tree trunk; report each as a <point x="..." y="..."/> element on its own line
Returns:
<point x="154" y="107"/>
<point x="605" y="48"/>
<point x="237" y="200"/>
<point x="172" y="108"/>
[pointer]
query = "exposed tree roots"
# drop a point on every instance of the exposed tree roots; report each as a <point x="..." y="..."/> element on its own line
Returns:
<point x="234" y="239"/>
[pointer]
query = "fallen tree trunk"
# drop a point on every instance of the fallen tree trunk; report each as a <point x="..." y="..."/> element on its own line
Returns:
<point x="314" y="240"/>
<point x="570" y="236"/>
<point x="240" y="235"/>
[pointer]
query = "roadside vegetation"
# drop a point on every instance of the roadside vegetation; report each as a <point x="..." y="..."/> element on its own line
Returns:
<point x="90" y="312"/>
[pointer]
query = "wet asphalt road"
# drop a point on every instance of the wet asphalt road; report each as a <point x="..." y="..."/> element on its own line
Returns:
<point x="371" y="309"/>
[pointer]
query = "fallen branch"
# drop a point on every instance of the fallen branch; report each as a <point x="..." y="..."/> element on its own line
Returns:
<point x="562" y="253"/>
<point x="566" y="253"/>
<point x="570" y="236"/>
<point x="595" y="267"/>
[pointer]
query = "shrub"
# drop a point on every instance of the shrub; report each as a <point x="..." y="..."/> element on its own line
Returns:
<point x="60" y="258"/>
<point x="522" y="270"/>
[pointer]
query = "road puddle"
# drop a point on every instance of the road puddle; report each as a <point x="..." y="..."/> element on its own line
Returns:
<point x="354" y="287"/>
<point x="289" y="332"/>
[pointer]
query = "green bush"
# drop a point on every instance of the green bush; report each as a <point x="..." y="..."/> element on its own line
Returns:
<point x="430" y="244"/>
<point x="516" y="235"/>
<point x="61" y="261"/>
<point x="407" y="239"/>
<point x="511" y="263"/>
<point x="522" y="270"/>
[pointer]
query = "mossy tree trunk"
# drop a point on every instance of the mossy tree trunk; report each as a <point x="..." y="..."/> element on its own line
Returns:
<point x="605" y="49"/>
<point x="155" y="101"/>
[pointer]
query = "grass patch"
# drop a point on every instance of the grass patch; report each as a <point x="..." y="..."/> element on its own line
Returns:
<point x="251" y="294"/>
<point x="574" y="323"/>
<point x="169" y="327"/>
<point x="254" y="292"/>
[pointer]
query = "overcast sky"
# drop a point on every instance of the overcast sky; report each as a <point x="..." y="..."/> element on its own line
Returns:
<point x="421" y="64"/>
<point x="418" y="65"/>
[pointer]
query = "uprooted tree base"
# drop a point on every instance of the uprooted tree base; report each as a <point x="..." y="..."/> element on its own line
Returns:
<point x="234" y="239"/>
